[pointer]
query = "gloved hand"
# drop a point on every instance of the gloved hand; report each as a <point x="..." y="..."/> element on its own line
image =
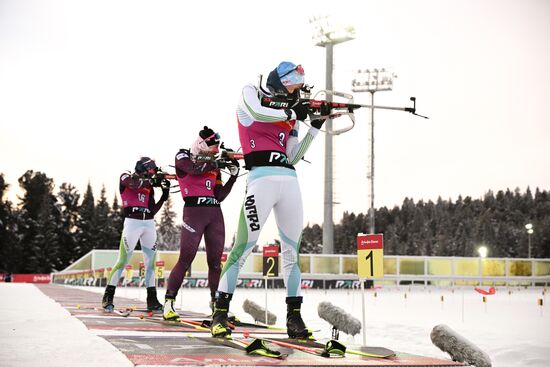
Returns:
<point x="234" y="167"/>
<point x="324" y="113"/>
<point x="221" y="163"/>
<point x="233" y="170"/>
<point x="301" y="109"/>
<point x="318" y="123"/>
<point x="165" y="184"/>
<point x="156" y="181"/>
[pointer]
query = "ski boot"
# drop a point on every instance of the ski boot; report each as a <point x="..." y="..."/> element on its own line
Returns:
<point x="169" y="312"/>
<point x="108" y="297"/>
<point x="220" y="327"/>
<point x="152" y="302"/>
<point x="295" y="326"/>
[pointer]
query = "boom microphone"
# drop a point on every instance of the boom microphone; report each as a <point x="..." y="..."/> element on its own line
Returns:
<point x="460" y="349"/>
<point x="339" y="318"/>
<point x="258" y="313"/>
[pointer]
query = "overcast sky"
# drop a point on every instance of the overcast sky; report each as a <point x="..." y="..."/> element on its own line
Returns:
<point x="87" y="87"/>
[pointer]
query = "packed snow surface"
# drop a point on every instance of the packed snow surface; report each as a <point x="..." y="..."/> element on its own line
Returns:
<point x="511" y="326"/>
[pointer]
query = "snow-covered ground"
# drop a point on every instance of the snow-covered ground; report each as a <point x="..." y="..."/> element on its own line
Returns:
<point x="36" y="331"/>
<point x="510" y="327"/>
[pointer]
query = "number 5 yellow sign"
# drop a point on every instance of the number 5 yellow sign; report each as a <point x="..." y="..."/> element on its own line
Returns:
<point x="370" y="256"/>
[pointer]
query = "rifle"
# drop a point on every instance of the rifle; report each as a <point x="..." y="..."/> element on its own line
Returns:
<point x="337" y="109"/>
<point x="161" y="178"/>
<point x="225" y="155"/>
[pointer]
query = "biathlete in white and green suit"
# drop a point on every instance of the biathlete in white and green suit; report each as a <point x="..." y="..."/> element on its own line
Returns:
<point x="269" y="139"/>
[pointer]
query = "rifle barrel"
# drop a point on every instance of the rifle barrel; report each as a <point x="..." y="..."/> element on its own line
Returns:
<point x="406" y="109"/>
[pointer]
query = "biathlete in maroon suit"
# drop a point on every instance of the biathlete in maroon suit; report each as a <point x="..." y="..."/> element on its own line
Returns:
<point x="138" y="201"/>
<point x="202" y="190"/>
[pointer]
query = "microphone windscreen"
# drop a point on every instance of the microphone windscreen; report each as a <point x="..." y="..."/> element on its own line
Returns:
<point x="258" y="313"/>
<point x="339" y="318"/>
<point x="460" y="349"/>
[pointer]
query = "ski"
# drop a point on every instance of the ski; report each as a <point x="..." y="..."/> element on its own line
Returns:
<point x="304" y="347"/>
<point x="186" y="314"/>
<point x="373" y="352"/>
<point x="123" y="312"/>
<point x="238" y="327"/>
<point x="257" y="347"/>
<point x="179" y="323"/>
<point x="334" y="347"/>
<point x="235" y="321"/>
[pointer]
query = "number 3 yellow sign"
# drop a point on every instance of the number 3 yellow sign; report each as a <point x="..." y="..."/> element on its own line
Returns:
<point x="370" y="256"/>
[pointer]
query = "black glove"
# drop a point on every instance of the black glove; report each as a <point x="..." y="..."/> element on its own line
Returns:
<point x="156" y="181"/>
<point x="317" y="123"/>
<point x="234" y="167"/>
<point x="221" y="163"/>
<point x="165" y="184"/>
<point x="324" y="113"/>
<point x="301" y="109"/>
<point x="233" y="170"/>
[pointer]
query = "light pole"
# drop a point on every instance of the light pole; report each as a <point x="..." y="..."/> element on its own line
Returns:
<point x="327" y="35"/>
<point x="529" y="228"/>
<point x="375" y="80"/>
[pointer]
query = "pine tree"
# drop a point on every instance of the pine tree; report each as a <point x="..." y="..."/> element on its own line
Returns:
<point x="68" y="198"/>
<point x="40" y="244"/>
<point x="168" y="236"/>
<point x="46" y="248"/>
<point x="312" y="240"/>
<point x="86" y="224"/>
<point x="8" y="238"/>
<point x="102" y="219"/>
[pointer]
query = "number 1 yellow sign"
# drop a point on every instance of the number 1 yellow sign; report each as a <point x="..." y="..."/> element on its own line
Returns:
<point x="370" y="256"/>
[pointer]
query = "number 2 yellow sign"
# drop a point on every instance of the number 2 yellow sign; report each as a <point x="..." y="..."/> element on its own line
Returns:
<point x="370" y="256"/>
<point x="270" y="261"/>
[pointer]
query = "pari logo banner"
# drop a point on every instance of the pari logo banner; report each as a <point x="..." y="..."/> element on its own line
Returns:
<point x="278" y="283"/>
<point x="31" y="278"/>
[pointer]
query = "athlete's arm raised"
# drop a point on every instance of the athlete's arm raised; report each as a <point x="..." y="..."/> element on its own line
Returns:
<point x="133" y="182"/>
<point x="155" y="207"/>
<point x="295" y="150"/>
<point x="220" y="190"/>
<point x="251" y="110"/>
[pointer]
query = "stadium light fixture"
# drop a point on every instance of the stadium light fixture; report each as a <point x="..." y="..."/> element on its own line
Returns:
<point x="372" y="81"/>
<point x="327" y="33"/>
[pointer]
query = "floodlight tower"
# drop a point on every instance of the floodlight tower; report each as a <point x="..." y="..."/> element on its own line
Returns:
<point x="326" y="34"/>
<point x="372" y="81"/>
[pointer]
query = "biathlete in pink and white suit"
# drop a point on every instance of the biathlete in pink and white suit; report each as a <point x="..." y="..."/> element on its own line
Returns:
<point x="138" y="199"/>
<point x="202" y="190"/>
<point x="269" y="139"/>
